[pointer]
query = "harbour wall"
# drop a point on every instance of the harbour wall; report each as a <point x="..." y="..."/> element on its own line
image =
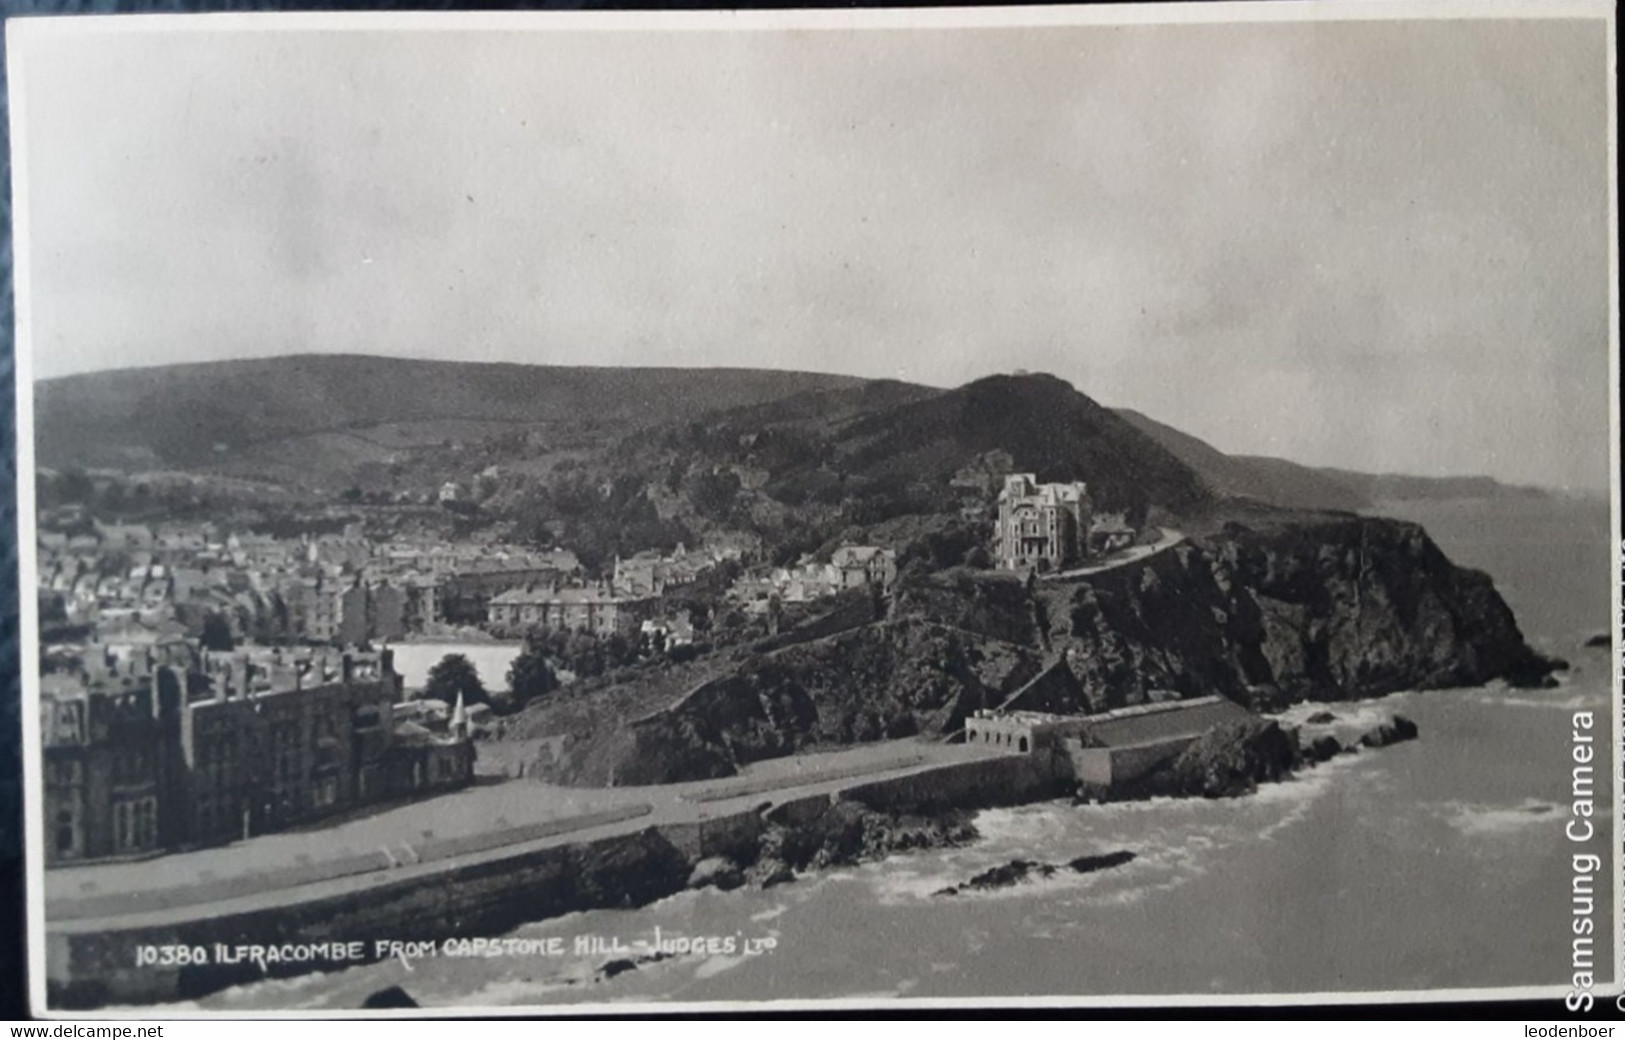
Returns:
<point x="486" y="895"/>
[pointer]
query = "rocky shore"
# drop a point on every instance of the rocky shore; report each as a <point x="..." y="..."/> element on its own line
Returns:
<point x="1228" y="762"/>
<point x="1019" y="870"/>
<point x="847" y="833"/>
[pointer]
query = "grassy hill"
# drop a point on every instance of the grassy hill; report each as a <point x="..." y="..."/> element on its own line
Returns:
<point x="893" y="441"/>
<point x="184" y="416"/>
<point x="1045" y="426"/>
<point x="833" y="449"/>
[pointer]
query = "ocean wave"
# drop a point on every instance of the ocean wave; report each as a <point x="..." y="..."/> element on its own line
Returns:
<point x="1575" y="701"/>
<point x="1353" y="717"/>
<point x="1501" y="819"/>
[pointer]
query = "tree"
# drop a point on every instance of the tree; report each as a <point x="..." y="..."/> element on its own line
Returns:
<point x="531" y="674"/>
<point x="216" y="633"/>
<point x="455" y="675"/>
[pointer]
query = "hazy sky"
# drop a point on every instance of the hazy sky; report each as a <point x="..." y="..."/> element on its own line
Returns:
<point x="1380" y="245"/>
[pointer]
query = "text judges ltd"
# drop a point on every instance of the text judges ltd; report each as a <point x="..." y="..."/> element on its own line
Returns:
<point x="264" y="956"/>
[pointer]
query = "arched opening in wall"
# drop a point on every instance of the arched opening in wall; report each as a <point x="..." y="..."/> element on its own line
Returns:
<point x="1022" y="747"/>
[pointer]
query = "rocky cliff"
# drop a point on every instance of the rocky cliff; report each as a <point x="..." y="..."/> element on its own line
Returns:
<point x="877" y="681"/>
<point x="1339" y="608"/>
<point x="1332" y="608"/>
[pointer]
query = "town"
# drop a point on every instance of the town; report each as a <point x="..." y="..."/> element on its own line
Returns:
<point x="202" y="685"/>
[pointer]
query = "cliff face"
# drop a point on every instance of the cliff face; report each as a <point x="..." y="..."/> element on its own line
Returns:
<point x="1342" y="608"/>
<point x="1337" y="608"/>
<point x="873" y="682"/>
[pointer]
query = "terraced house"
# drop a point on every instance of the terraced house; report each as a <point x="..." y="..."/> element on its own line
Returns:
<point x="594" y="609"/>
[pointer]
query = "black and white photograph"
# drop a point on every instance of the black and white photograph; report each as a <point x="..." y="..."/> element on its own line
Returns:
<point x="741" y="511"/>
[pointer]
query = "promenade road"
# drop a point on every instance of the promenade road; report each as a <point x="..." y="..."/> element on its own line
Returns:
<point x="1133" y="554"/>
<point x="464" y="827"/>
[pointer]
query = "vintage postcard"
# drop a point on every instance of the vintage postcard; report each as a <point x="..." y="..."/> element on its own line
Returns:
<point x="819" y="509"/>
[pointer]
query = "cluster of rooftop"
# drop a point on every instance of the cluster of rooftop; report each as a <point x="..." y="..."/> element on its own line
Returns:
<point x="849" y="567"/>
<point x="340" y="589"/>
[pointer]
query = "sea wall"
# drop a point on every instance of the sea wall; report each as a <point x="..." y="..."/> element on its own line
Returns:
<point x="490" y="895"/>
<point x="481" y="898"/>
<point x="978" y="784"/>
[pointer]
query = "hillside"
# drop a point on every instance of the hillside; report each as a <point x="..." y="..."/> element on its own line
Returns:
<point x="186" y="416"/>
<point x="1046" y="427"/>
<point x="1291" y="485"/>
<point x="804" y="440"/>
<point x="1275" y="481"/>
<point x="859" y="458"/>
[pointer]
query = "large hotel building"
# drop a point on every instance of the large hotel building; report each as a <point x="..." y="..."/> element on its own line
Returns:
<point x="179" y="749"/>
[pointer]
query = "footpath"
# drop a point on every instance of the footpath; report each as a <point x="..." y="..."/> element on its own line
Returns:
<point x="1124" y="557"/>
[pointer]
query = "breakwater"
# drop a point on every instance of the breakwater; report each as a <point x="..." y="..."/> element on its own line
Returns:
<point x="187" y="951"/>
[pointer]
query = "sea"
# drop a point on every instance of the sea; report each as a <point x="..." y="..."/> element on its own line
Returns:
<point x="1438" y="864"/>
<point x="490" y="660"/>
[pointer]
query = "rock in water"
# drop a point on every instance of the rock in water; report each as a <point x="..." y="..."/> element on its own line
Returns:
<point x="1320" y="718"/>
<point x="1392" y="732"/>
<point x="1090" y="864"/>
<point x="1012" y="873"/>
<point x="769" y="871"/>
<point x="718" y="871"/>
<point x="1324" y="749"/>
<point x="1229" y="760"/>
<point x="1534" y="672"/>
<point x="391" y="997"/>
<point x="1602" y="640"/>
<point x="1018" y="870"/>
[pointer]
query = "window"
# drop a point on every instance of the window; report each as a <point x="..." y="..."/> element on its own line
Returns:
<point x="65" y="837"/>
<point x="131" y="766"/>
<point x="135" y="824"/>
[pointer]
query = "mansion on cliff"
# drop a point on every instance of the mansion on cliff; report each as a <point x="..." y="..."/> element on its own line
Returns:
<point x="1043" y="526"/>
<point x="1048" y="527"/>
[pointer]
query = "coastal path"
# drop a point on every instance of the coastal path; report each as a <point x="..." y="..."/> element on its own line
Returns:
<point x="1134" y="554"/>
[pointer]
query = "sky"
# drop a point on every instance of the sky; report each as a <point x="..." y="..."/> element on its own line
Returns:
<point x="1381" y="245"/>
